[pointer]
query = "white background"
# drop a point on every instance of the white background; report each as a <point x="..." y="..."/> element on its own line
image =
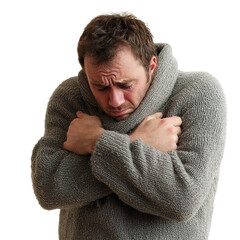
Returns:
<point x="38" y="41"/>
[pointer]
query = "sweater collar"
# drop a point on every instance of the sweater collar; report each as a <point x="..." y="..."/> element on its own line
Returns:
<point x="157" y="95"/>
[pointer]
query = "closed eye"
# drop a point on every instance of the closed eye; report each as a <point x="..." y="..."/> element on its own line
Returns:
<point x="125" y="86"/>
<point x="122" y="86"/>
<point x="102" y="89"/>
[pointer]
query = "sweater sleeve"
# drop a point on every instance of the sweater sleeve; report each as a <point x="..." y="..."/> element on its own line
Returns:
<point x="62" y="179"/>
<point x="172" y="185"/>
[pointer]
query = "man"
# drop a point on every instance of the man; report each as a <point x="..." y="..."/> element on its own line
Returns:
<point x="132" y="146"/>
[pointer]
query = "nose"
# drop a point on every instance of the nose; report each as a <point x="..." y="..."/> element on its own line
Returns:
<point x="116" y="97"/>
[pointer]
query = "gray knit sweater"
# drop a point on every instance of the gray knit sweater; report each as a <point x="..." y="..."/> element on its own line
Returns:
<point x="129" y="190"/>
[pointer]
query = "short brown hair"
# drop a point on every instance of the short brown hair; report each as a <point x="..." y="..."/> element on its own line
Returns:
<point x="103" y="36"/>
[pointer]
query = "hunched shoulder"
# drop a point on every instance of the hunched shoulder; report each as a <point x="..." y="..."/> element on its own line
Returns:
<point x="69" y="87"/>
<point x="62" y="106"/>
<point x="198" y="86"/>
<point x="67" y="91"/>
<point x="65" y="98"/>
<point x="195" y="89"/>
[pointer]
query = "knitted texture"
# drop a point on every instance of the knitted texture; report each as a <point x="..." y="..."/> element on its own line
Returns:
<point x="129" y="190"/>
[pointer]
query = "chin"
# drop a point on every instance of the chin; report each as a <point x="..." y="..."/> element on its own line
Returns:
<point x="122" y="117"/>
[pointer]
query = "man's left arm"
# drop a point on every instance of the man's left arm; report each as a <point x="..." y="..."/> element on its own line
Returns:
<point x="173" y="185"/>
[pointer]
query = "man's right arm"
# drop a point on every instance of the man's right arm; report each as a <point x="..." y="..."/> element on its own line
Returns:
<point x="61" y="178"/>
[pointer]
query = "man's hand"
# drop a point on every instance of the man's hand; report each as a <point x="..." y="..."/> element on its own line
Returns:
<point x="83" y="133"/>
<point x="159" y="133"/>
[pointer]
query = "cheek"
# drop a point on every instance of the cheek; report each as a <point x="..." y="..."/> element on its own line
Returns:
<point x="131" y="97"/>
<point x="138" y="95"/>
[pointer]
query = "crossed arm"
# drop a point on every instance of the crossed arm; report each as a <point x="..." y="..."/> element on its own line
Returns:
<point x="64" y="179"/>
<point x="170" y="184"/>
<point x="159" y="133"/>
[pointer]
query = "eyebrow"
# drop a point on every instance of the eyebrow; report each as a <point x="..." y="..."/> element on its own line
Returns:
<point x="125" y="81"/>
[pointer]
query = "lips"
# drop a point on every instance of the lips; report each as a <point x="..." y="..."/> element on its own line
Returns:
<point x="120" y="114"/>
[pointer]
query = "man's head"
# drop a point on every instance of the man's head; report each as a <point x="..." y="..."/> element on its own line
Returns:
<point x="103" y="36"/>
<point x="117" y="54"/>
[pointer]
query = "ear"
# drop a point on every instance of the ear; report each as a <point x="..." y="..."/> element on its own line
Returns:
<point x="153" y="64"/>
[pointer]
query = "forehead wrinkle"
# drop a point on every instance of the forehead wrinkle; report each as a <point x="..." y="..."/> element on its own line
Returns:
<point x="109" y="73"/>
<point x="105" y="78"/>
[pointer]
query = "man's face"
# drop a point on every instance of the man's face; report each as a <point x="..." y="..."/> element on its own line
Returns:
<point x="120" y="85"/>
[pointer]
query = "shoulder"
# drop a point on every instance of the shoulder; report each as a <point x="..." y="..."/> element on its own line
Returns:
<point x="69" y="87"/>
<point x="199" y="86"/>
<point x="62" y="106"/>
<point x="66" y="92"/>
<point x="65" y="98"/>
<point x="197" y="97"/>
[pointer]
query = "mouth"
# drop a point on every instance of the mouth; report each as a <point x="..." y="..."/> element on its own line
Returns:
<point x="120" y="114"/>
